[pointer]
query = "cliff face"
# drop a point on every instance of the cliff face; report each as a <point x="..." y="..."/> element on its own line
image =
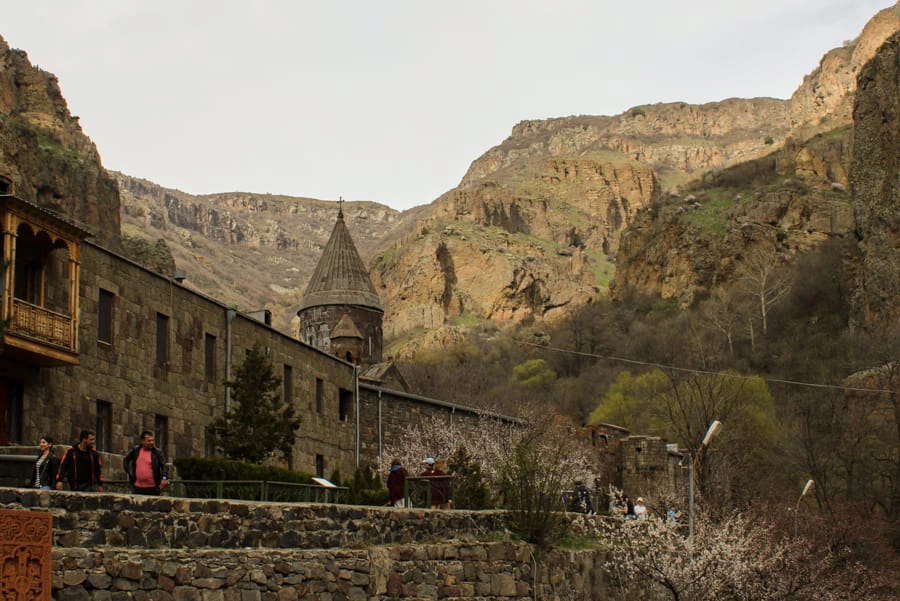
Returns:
<point x="672" y="137"/>
<point x="875" y="182"/>
<point x="586" y="192"/>
<point x="45" y="153"/>
<point x="825" y="98"/>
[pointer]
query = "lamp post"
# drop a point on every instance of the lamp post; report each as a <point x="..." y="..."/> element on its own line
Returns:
<point x="713" y="429"/>
<point x="806" y="488"/>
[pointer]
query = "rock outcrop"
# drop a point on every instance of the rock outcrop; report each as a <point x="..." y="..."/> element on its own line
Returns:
<point x="875" y="183"/>
<point x="47" y="156"/>
<point x="825" y="98"/>
<point x="591" y="191"/>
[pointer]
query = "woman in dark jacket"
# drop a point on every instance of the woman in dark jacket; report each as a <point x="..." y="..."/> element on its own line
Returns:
<point x="46" y="465"/>
<point x="395" y="483"/>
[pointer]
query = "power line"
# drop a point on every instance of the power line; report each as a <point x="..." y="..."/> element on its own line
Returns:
<point x="703" y="371"/>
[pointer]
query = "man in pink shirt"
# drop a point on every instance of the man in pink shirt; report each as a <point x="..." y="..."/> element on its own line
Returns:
<point x="146" y="466"/>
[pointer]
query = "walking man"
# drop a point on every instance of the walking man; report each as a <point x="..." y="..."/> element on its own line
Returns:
<point x="146" y="466"/>
<point x="81" y="466"/>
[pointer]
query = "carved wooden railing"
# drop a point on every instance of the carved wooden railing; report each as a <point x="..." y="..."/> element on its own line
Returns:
<point x="41" y="324"/>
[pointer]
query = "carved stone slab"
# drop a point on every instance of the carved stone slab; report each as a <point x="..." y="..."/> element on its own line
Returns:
<point x="26" y="555"/>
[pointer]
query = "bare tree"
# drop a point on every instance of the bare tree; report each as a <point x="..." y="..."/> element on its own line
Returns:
<point x="763" y="276"/>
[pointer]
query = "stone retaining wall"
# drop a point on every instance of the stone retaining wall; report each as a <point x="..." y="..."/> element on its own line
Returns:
<point x="448" y="571"/>
<point x="120" y="547"/>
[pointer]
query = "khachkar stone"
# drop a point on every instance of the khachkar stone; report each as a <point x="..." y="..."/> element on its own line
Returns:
<point x="26" y="542"/>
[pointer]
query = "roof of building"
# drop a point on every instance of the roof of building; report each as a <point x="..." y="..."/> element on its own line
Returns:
<point x="345" y="328"/>
<point x="341" y="277"/>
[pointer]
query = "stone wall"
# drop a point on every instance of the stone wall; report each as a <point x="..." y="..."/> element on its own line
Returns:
<point x="130" y="547"/>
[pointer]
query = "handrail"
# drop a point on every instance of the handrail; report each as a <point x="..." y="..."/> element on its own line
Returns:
<point x="416" y="486"/>
<point x="42" y="324"/>
<point x="246" y="490"/>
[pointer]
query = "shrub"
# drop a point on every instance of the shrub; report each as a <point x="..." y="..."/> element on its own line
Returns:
<point x="769" y="140"/>
<point x="365" y="488"/>
<point x="470" y="488"/>
<point x="530" y="490"/>
<point x="218" y="468"/>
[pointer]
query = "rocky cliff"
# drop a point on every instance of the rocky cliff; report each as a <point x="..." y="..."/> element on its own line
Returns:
<point x="788" y="203"/>
<point x="576" y="195"/>
<point x="47" y="156"/>
<point x="825" y="98"/>
<point x="875" y="182"/>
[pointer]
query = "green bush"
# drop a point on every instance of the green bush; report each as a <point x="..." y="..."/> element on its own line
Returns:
<point x="218" y="468"/>
<point x="470" y="489"/>
<point x="365" y="488"/>
<point x="530" y="486"/>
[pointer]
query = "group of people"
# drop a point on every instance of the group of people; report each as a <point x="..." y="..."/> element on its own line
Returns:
<point x="636" y="510"/>
<point x="438" y="483"/>
<point x="579" y="500"/>
<point x="81" y="467"/>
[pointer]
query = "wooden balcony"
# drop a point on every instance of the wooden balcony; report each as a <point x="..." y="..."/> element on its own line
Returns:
<point x="40" y="336"/>
<point x="41" y="256"/>
<point x="42" y="325"/>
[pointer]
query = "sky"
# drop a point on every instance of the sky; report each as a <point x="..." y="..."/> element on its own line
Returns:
<point x="391" y="101"/>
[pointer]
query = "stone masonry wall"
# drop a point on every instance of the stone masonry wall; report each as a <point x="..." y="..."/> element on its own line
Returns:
<point x="121" y="547"/>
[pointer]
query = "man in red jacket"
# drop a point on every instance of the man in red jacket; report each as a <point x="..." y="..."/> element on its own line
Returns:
<point x="81" y="466"/>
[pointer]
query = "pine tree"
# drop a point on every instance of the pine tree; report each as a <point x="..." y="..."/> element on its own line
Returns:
<point x="258" y="424"/>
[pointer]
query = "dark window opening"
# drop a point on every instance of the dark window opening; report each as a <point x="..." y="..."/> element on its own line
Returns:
<point x="104" y="426"/>
<point x="320" y="466"/>
<point x="287" y="382"/>
<point x="210" y="358"/>
<point x="105" y="316"/>
<point x="345" y="404"/>
<point x="11" y="411"/>
<point x="162" y="340"/>
<point x="161" y="432"/>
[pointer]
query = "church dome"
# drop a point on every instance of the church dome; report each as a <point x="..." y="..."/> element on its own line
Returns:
<point x="341" y="277"/>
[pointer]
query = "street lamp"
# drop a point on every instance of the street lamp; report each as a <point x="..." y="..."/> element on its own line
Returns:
<point x="806" y="488"/>
<point x="712" y="431"/>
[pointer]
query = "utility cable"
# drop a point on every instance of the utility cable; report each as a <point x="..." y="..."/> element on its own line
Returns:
<point x="703" y="371"/>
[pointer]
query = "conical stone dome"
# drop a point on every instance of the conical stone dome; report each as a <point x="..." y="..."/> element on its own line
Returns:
<point x="341" y="277"/>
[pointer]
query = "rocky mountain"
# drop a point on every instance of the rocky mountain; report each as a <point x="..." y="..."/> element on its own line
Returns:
<point x="45" y="154"/>
<point x="665" y="200"/>
<point x="875" y="182"/>
<point x="674" y="195"/>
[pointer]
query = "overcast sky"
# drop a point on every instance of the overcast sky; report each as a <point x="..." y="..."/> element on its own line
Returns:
<point x="392" y="100"/>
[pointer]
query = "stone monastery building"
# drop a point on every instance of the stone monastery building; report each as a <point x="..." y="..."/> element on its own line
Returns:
<point x="95" y="341"/>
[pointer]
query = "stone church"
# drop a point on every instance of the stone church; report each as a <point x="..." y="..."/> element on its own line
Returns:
<point x="341" y="313"/>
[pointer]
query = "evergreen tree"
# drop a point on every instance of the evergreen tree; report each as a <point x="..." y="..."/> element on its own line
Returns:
<point x="470" y="488"/>
<point x="258" y="424"/>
